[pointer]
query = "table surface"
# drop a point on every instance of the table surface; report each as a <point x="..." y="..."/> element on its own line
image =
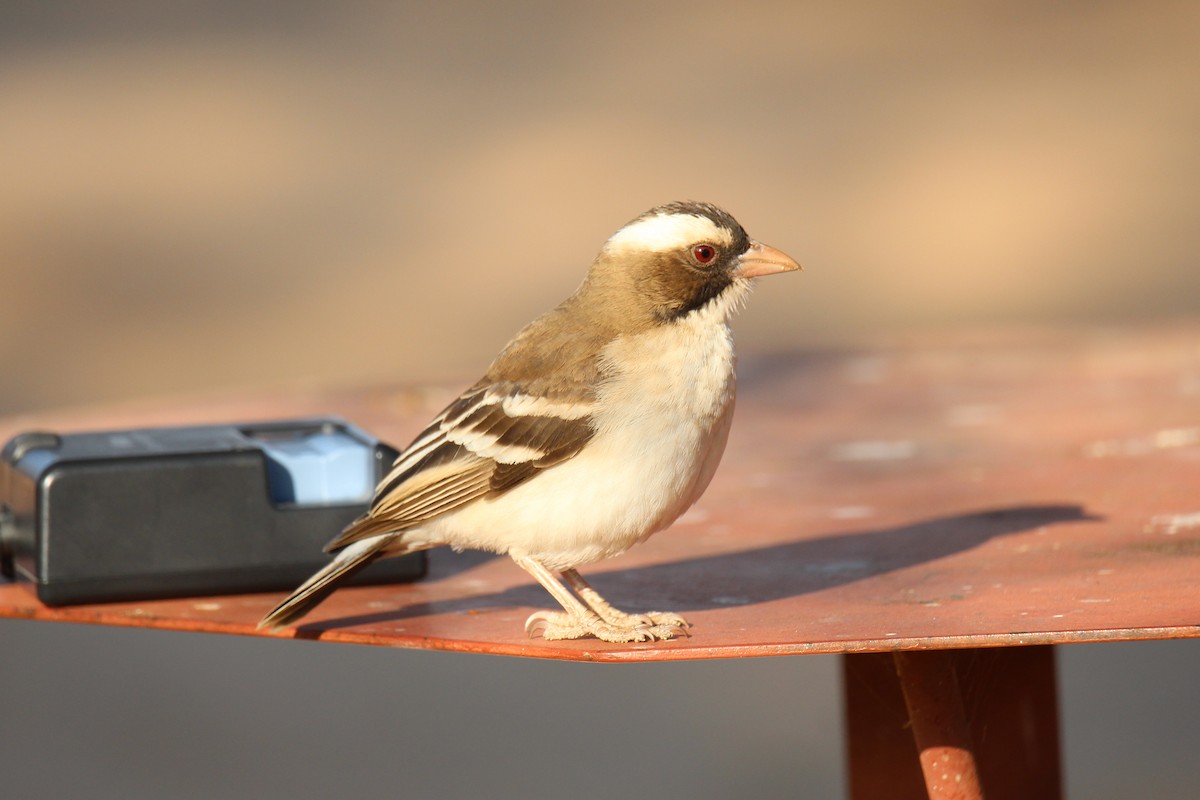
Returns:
<point x="966" y="489"/>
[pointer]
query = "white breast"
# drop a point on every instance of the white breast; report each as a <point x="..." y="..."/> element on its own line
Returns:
<point x="659" y="436"/>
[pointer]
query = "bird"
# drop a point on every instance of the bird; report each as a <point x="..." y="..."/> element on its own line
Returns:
<point x="598" y="425"/>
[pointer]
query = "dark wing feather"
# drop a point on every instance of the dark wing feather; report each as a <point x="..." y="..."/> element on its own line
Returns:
<point x="489" y="440"/>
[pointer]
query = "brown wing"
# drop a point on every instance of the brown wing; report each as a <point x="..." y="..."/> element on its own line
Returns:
<point x="491" y="439"/>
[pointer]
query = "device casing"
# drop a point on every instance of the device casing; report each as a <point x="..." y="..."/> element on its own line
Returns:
<point x="169" y="512"/>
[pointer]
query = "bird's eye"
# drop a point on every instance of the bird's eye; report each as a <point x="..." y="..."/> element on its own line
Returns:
<point x="704" y="253"/>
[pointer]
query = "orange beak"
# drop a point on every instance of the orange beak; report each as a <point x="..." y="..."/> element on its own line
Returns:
<point x="763" y="259"/>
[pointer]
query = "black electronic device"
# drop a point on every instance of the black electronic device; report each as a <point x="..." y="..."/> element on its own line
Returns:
<point x="175" y="512"/>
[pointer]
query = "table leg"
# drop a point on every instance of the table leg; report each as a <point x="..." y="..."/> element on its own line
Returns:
<point x="993" y="711"/>
<point x="939" y="724"/>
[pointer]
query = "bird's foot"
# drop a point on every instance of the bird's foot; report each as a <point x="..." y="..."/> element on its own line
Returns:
<point x="650" y="619"/>
<point x="629" y="628"/>
<point x="615" y="616"/>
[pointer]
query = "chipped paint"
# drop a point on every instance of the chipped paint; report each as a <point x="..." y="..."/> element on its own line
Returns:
<point x="874" y="450"/>
<point x="973" y="415"/>
<point x="1172" y="524"/>
<point x="1165" y="439"/>
<point x="851" y="512"/>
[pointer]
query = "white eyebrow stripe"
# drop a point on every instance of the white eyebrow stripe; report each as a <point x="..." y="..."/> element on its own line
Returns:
<point x="668" y="232"/>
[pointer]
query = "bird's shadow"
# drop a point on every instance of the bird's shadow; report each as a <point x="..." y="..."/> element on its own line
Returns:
<point x="757" y="575"/>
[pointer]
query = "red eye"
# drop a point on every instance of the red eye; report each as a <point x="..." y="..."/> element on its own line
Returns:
<point x="704" y="253"/>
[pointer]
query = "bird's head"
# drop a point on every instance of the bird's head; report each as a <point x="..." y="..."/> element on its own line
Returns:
<point x="683" y="257"/>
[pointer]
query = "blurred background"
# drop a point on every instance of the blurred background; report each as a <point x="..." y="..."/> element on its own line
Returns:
<point x="208" y="196"/>
<point x="211" y="194"/>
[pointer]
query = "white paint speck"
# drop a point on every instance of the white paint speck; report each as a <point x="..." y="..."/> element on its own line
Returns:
<point x="851" y="512"/>
<point x="1165" y="439"/>
<point x="874" y="450"/>
<point x="1176" y="437"/>
<point x="973" y="415"/>
<point x="1172" y="524"/>
<point x="206" y="606"/>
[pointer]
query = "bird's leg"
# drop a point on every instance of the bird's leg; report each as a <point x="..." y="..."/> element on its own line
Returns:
<point x="615" y="615"/>
<point x="577" y="620"/>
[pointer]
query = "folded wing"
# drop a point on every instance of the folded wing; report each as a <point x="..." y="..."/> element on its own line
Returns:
<point x="492" y="438"/>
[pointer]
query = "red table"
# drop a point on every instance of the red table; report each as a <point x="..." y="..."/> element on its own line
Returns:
<point x="941" y="509"/>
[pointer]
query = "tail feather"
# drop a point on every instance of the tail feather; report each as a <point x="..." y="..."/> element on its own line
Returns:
<point x="347" y="562"/>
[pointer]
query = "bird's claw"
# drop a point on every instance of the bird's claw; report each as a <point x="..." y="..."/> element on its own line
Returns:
<point x="670" y="619"/>
<point x="557" y="625"/>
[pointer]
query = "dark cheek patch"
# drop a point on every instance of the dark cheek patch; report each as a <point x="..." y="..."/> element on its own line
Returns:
<point x="705" y="292"/>
<point x="693" y="288"/>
